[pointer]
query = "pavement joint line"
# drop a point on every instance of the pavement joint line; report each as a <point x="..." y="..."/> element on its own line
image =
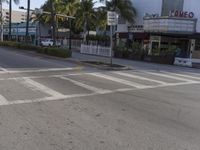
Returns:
<point x="58" y="98"/>
<point x="40" y="70"/>
<point x="33" y="85"/>
<point x="88" y="87"/>
<point x="139" y="77"/>
<point x="168" y="76"/>
<point x="122" y="81"/>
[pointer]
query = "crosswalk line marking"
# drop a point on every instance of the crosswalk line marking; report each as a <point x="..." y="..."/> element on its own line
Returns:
<point x="168" y="76"/>
<point x="40" y="70"/>
<point x="88" y="87"/>
<point x="3" y="100"/>
<point x="3" y="70"/>
<point x="139" y="77"/>
<point x="122" y="81"/>
<point x="37" y="86"/>
<point x="182" y="75"/>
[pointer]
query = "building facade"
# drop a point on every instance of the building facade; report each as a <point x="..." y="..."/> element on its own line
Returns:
<point x="162" y="25"/>
<point x="17" y="16"/>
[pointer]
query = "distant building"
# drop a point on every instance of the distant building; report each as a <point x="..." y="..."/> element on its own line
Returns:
<point x="17" y="16"/>
<point x="161" y="24"/>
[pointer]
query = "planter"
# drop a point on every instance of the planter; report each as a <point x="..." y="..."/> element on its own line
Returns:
<point x="168" y="59"/>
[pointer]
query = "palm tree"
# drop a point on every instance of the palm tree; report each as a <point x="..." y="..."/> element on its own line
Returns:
<point x="68" y="7"/>
<point x="10" y="15"/>
<point x="85" y="16"/>
<point x="123" y="7"/>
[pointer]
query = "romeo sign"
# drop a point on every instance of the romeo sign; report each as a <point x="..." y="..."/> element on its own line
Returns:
<point x="181" y="14"/>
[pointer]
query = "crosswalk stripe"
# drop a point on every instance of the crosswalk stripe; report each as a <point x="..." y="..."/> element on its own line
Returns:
<point x="122" y="81"/>
<point x="139" y="77"/>
<point x="37" y="86"/>
<point x="3" y="100"/>
<point x="3" y="70"/>
<point x="40" y="70"/>
<point x="168" y="76"/>
<point x="181" y="75"/>
<point x="88" y="87"/>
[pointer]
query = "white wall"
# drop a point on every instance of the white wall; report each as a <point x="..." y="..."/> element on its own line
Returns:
<point x="146" y="6"/>
<point x="193" y="6"/>
<point x="142" y="7"/>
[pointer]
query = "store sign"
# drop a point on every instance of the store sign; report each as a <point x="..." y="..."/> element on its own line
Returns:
<point x="112" y="18"/>
<point x="170" y="25"/>
<point x="136" y="28"/>
<point x="181" y="14"/>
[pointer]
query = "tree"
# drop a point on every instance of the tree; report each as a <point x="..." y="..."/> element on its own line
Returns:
<point x="10" y="15"/>
<point x="85" y="17"/>
<point x="122" y="7"/>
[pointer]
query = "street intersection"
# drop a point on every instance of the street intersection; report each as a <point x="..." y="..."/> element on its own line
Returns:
<point x="54" y="104"/>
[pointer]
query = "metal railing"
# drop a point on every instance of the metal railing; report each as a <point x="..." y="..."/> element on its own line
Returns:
<point x="96" y="50"/>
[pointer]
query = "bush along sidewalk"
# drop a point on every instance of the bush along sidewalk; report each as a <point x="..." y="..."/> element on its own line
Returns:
<point x="52" y="51"/>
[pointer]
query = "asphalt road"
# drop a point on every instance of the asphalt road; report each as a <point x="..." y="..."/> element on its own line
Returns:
<point x="51" y="104"/>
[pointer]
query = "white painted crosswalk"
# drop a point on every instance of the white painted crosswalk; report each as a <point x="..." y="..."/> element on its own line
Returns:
<point x="126" y="80"/>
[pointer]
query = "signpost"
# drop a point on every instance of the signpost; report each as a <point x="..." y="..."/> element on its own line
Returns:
<point x="111" y="21"/>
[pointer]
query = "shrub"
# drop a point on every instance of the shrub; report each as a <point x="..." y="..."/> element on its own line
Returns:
<point x="52" y="51"/>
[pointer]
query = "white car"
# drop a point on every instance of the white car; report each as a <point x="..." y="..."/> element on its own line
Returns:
<point x="49" y="42"/>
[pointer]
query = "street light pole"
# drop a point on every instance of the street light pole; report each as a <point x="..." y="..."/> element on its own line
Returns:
<point x="27" y="21"/>
<point x="53" y="15"/>
<point x="1" y="15"/>
<point x="10" y="19"/>
<point x="70" y="34"/>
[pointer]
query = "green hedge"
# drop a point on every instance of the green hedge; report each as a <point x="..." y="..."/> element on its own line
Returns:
<point x="52" y="51"/>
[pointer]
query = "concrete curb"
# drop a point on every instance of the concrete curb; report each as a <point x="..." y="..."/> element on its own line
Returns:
<point x="97" y="66"/>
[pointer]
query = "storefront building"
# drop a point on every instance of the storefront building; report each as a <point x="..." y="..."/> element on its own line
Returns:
<point x="170" y="25"/>
<point x="37" y="32"/>
<point x="18" y="32"/>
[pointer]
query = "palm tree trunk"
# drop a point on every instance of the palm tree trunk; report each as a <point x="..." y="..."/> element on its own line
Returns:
<point x="10" y="19"/>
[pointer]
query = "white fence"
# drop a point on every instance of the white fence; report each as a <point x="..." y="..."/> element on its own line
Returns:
<point x="96" y="50"/>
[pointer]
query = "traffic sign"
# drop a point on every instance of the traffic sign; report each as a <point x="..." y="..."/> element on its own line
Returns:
<point x="112" y="18"/>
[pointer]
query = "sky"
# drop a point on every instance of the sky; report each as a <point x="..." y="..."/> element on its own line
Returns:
<point x="34" y="4"/>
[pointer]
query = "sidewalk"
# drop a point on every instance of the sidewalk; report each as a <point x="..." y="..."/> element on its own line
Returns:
<point x="139" y="65"/>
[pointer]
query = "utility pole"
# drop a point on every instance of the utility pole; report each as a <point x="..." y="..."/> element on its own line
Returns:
<point x="70" y="34"/>
<point x="53" y="17"/>
<point x="85" y="22"/>
<point x="10" y="19"/>
<point x="1" y="17"/>
<point x="27" y="21"/>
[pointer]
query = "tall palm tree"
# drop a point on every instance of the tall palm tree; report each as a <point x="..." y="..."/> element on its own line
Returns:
<point x="85" y="16"/>
<point x="68" y="7"/>
<point x="10" y="15"/>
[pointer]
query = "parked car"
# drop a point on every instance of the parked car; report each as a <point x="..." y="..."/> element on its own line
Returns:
<point x="49" y="42"/>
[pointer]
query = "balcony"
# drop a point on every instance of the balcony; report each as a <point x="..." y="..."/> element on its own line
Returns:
<point x="170" y="25"/>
